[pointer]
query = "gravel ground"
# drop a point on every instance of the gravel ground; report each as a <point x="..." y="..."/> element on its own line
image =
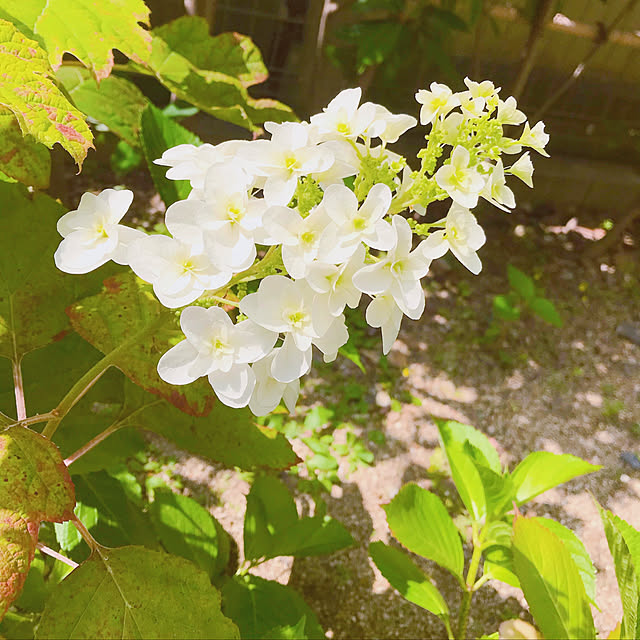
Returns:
<point x="571" y="390"/>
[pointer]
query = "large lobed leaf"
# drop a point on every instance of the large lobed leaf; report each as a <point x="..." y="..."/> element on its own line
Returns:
<point x="194" y="74"/>
<point x="34" y="486"/>
<point x="87" y="29"/>
<point x="132" y="592"/>
<point x="28" y="90"/>
<point x="551" y="582"/>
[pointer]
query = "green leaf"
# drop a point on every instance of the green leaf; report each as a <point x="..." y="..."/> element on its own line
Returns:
<point x="350" y="351"/>
<point x="288" y="632"/>
<point x="18" y="538"/>
<point x="521" y="283"/>
<point x="419" y="520"/>
<point x="229" y="436"/>
<point x="17" y="626"/>
<point x="546" y="310"/>
<point x="34" y="482"/>
<point x="504" y="309"/>
<point x="498" y="491"/>
<point x="622" y="539"/>
<point x="411" y="582"/>
<point x="66" y="533"/>
<point x="452" y="432"/>
<point x="135" y="592"/>
<point x="126" y="310"/>
<point x="87" y="31"/>
<point x="257" y="606"/>
<point x="543" y="470"/>
<point x="213" y="91"/>
<point x="272" y="527"/>
<point x="28" y="90"/>
<point x="230" y="53"/>
<point x="22" y="158"/>
<point x="186" y="529"/>
<point x="468" y="482"/>
<point x="578" y="552"/>
<point x="34" y="591"/>
<point x="159" y="133"/>
<point x="498" y="565"/>
<point x="115" y="102"/>
<point x="33" y="293"/>
<point x="551" y="582"/>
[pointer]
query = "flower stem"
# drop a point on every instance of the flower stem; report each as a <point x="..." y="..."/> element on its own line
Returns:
<point x="103" y="435"/>
<point x="56" y="555"/>
<point x="465" y="606"/>
<point x="19" y="390"/>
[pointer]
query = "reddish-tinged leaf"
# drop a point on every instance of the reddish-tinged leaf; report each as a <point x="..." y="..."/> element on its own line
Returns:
<point x="18" y="539"/>
<point x="28" y="90"/>
<point x="34" y="481"/>
<point x="125" y="308"/>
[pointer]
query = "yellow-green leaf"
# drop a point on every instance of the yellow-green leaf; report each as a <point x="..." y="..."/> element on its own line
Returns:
<point x="87" y="29"/>
<point x="28" y="90"/>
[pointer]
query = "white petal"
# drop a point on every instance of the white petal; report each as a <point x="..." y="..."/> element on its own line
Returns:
<point x="373" y="279"/>
<point x="174" y="366"/>
<point x="252" y="341"/>
<point x="290" y="363"/>
<point x="74" y="256"/>
<point x="234" y="388"/>
<point x="434" y="246"/>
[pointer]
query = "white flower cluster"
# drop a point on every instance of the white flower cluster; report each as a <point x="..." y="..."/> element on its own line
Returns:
<point x="323" y="199"/>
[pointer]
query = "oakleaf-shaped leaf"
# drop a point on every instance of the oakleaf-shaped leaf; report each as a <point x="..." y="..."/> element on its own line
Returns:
<point x="33" y="292"/>
<point x="419" y="520"/>
<point x="132" y="592"/>
<point x="34" y="481"/>
<point x="257" y="606"/>
<point x="213" y="91"/>
<point x="127" y="311"/>
<point x="86" y="29"/>
<point x="230" y="53"/>
<point x="550" y="581"/>
<point x="18" y="539"/>
<point x="408" y="579"/>
<point x="28" y="90"/>
<point x="115" y="102"/>
<point x="543" y="470"/>
<point x="229" y="436"/>
<point x="22" y="158"/>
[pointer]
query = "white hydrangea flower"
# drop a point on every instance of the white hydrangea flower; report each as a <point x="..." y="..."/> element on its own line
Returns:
<point x="461" y="182"/>
<point x="471" y="107"/>
<point x="523" y="169"/>
<point x="217" y="348"/>
<point x="178" y="274"/>
<point x="508" y="112"/>
<point x="535" y="138"/>
<point x="355" y="225"/>
<point x="389" y="126"/>
<point x="288" y="156"/>
<point x="293" y="308"/>
<point x="384" y="313"/>
<point x="336" y="281"/>
<point x="300" y="237"/>
<point x="436" y="102"/>
<point x="485" y="89"/>
<point x="333" y="338"/>
<point x="398" y="273"/>
<point x="191" y="162"/>
<point x="91" y="233"/>
<point x="462" y="234"/>
<point x="496" y="190"/>
<point x="268" y="392"/>
<point x="343" y="118"/>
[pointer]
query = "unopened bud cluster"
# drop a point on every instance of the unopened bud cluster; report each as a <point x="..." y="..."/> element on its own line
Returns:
<point x="323" y="199"/>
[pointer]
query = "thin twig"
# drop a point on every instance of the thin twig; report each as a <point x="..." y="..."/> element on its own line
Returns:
<point x="103" y="435"/>
<point x="56" y="555"/>
<point x="577" y="72"/>
<point x="84" y="532"/>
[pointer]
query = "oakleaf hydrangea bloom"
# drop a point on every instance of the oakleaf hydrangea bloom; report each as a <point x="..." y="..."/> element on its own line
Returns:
<point x="280" y="235"/>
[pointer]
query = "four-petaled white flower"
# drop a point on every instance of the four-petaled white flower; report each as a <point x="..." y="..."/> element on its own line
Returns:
<point x="496" y="190"/>
<point x="508" y="112"/>
<point x="268" y="392"/>
<point x="343" y="118"/>
<point x="462" y="234"/>
<point x="216" y="348"/>
<point x="436" y="102"/>
<point x="535" y="138"/>
<point x="398" y="273"/>
<point x="523" y="169"/>
<point x="462" y="182"/>
<point x="92" y="235"/>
